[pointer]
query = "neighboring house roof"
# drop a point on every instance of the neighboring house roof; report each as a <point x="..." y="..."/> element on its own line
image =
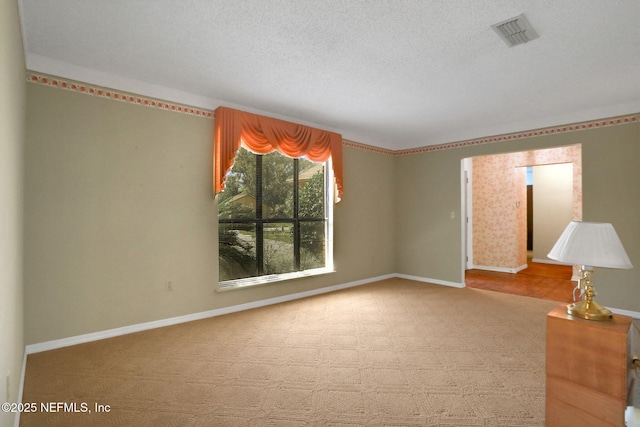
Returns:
<point x="246" y="199"/>
<point x="239" y="197"/>
<point x="309" y="173"/>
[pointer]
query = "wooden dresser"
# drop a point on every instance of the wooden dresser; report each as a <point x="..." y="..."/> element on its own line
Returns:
<point x="587" y="370"/>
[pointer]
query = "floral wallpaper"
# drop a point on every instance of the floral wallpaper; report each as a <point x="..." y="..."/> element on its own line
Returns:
<point x="499" y="199"/>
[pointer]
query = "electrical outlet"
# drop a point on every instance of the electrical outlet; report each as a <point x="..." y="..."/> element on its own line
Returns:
<point x="453" y="214"/>
<point x="169" y="286"/>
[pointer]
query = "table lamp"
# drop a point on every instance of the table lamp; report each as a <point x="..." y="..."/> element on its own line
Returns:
<point x="589" y="244"/>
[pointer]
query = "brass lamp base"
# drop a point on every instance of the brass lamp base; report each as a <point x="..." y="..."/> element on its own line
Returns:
<point x="589" y="310"/>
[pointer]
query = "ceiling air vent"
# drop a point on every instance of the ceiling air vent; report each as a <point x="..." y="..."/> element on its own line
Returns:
<point x="515" y="31"/>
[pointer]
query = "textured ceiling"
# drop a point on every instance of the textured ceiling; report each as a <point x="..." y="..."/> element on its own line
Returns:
<point x="395" y="74"/>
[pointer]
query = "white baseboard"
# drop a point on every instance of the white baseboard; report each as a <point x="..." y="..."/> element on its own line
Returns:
<point x="499" y="269"/>
<point x="110" y="333"/>
<point x="522" y="267"/>
<point x="634" y="314"/>
<point x="427" y="280"/>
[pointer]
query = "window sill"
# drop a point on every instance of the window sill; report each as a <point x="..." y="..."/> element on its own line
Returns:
<point x="231" y="285"/>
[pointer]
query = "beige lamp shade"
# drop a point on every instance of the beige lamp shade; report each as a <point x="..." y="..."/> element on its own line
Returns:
<point x="594" y="244"/>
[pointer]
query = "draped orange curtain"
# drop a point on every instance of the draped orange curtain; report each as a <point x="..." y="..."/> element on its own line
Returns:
<point x="263" y="135"/>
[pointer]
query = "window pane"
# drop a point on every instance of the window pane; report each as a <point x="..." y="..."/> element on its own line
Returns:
<point x="311" y="190"/>
<point x="253" y="244"/>
<point x="312" y="245"/>
<point x="238" y="200"/>
<point x="237" y="256"/>
<point x="278" y="248"/>
<point x="277" y="186"/>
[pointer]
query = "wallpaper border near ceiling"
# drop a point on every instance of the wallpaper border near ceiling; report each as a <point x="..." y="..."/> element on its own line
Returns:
<point x="131" y="98"/>
<point x="551" y="130"/>
<point x="115" y="95"/>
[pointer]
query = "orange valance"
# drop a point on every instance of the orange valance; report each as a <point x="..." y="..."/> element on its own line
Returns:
<point x="262" y="135"/>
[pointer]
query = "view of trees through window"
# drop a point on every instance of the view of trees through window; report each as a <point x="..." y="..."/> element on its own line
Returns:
<point x="271" y="216"/>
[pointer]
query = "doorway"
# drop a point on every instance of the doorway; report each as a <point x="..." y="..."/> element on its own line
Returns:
<point x="552" y="210"/>
<point x="494" y="197"/>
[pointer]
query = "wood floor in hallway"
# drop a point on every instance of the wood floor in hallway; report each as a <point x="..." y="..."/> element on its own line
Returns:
<point x="538" y="280"/>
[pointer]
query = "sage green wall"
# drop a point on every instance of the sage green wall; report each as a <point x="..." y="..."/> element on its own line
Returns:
<point x="429" y="187"/>
<point x="119" y="201"/>
<point x="12" y="116"/>
<point x="611" y="193"/>
<point x="427" y="191"/>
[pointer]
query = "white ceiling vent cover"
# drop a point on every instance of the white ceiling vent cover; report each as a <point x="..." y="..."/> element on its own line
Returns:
<point x="515" y="31"/>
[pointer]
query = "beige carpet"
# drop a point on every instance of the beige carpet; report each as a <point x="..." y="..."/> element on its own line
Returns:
<point x="391" y="353"/>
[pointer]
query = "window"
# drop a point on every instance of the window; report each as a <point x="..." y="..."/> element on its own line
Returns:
<point x="274" y="219"/>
